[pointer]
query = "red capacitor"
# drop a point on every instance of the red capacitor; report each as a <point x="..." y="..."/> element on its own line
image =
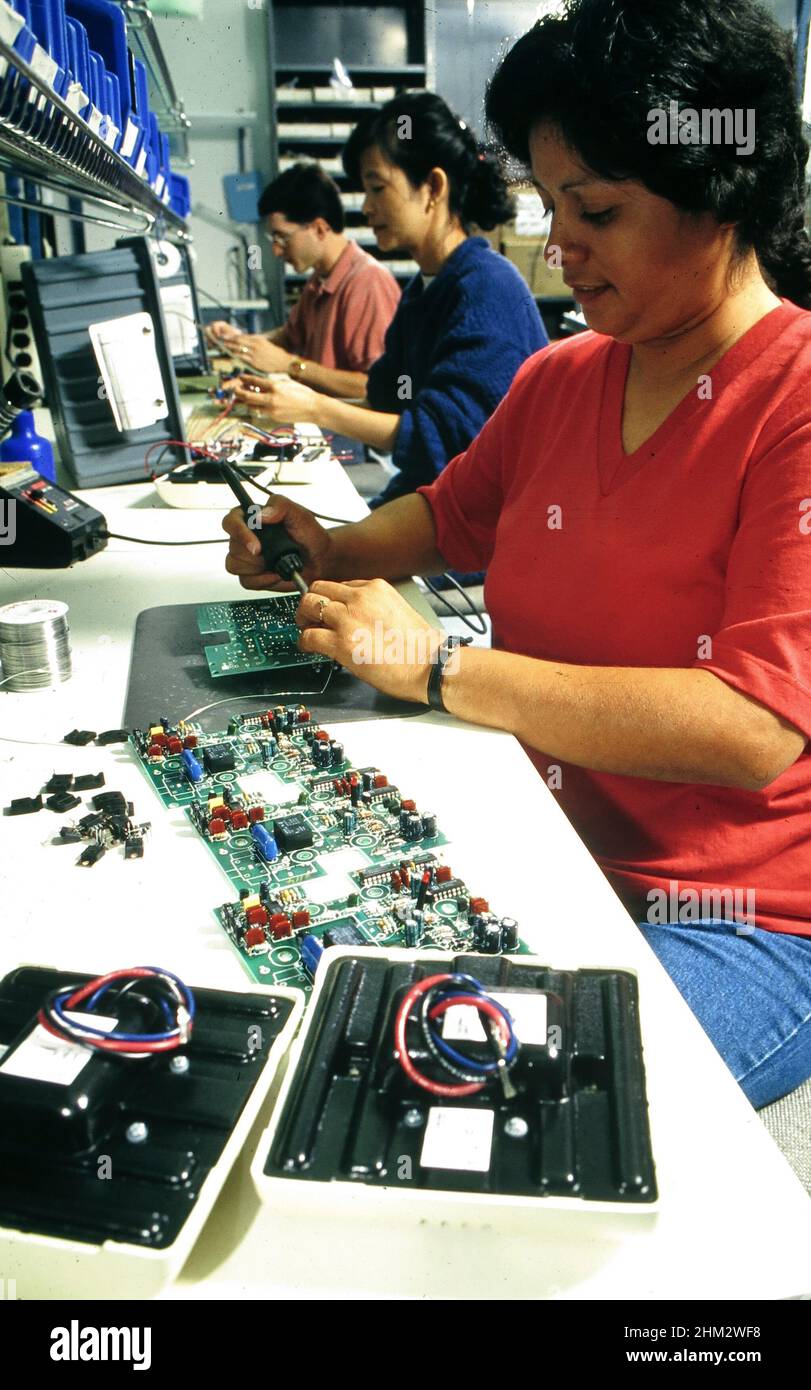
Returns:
<point x="264" y="720"/>
<point x="239" y="820"/>
<point x="154" y="751"/>
<point x="479" y="905"/>
<point x="160" y="739"/>
<point x="190" y="741"/>
<point x="322" y="735"/>
<point x="304" y="715"/>
<point x="256" y="813"/>
<point x="396" y="881"/>
<point x="174" y="744"/>
<point x="301" y="918"/>
<point x="443" y="873"/>
<point x="280" y="926"/>
<point x="381" y="780"/>
<point x="408" y="805"/>
<point x="257" y="916"/>
<point x="405" y="875"/>
<point x="254" y="936"/>
<point x="216" y="826"/>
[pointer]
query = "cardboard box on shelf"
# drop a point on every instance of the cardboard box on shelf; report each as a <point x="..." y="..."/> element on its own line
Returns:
<point x="527" y="255"/>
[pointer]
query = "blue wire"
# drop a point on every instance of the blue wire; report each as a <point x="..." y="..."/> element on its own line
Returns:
<point x="473" y="986"/>
<point x="61" y="999"/>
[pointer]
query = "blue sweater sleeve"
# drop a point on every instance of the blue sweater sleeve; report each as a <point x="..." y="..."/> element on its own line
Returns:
<point x="477" y="352"/>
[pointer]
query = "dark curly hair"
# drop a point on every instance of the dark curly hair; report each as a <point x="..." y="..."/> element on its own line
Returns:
<point x="598" y="69"/>
<point x="477" y="190"/>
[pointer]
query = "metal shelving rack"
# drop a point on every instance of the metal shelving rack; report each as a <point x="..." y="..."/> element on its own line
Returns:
<point x="320" y="144"/>
<point x="43" y="141"/>
<point x="163" y="98"/>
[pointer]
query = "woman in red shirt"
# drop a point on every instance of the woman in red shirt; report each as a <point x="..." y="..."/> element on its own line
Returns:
<point x="641" y="500"/>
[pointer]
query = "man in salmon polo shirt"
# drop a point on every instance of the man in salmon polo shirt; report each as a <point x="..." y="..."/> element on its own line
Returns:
<point x="336" y="330"/>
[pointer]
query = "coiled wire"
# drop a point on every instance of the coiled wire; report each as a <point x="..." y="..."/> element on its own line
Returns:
<point x="34" y="644"/>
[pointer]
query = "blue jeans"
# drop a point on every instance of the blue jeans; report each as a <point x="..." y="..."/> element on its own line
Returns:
<point x="750" y="993"/>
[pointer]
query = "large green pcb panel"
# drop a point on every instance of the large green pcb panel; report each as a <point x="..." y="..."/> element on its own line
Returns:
<point x="318" y="852"/>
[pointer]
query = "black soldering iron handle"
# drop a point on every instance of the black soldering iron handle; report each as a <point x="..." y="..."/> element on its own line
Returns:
<point x="280" y="554"/>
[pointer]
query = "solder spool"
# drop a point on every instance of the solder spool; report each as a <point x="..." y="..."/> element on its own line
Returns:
<point x="34" y="644"/>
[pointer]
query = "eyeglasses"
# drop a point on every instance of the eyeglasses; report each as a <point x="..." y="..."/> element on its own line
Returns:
<point x="281" y="238"/>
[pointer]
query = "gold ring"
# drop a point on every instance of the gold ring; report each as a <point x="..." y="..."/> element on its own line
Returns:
<point x="322" y="604"/>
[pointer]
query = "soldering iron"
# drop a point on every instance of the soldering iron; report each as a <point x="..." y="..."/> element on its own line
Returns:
<point x="279" y="552"/>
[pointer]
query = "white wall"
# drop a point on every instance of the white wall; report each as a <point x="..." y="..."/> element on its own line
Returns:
<point x="219" y="65"/>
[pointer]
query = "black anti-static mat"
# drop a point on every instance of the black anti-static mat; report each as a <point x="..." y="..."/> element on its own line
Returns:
<point x="169" y="675"/>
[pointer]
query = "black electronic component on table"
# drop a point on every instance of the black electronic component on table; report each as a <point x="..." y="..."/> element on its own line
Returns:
<point x="389" y="1071"/>
<point x="45" y="527"/>
<point x="58" y="1117"/>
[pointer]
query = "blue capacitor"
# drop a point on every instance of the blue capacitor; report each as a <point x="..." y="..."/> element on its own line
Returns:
<point x="413" y="932"/>
<point x="350" y="822"/>
<point x="191" y="766"/>
<point x="266" y="846"/>
<point x="311" y="952"/>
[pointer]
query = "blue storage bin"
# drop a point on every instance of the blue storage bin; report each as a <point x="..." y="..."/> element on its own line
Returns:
<point x="104" y="23"/>
<point x="154" y="152"/>
<point x="48" y="23"/>
<point x="79" y="57"/>
<point x="179" y="194"/>
<point x="26" y="40"/>
<point x="141" y="116"/>
<point x="113" y="107"/>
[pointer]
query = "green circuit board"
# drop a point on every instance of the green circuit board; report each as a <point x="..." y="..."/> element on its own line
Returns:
<point x="312" y="845"/>
<point x="375" y="907"/>
<point x="260" y="635"/>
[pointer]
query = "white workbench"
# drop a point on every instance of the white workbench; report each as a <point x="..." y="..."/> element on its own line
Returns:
<point x="733" y="1221"/>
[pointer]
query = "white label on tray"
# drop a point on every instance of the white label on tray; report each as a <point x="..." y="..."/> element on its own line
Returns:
<point x="76" y="97"/>
<point x="460" y="1138"/>
<point x="129" y="141"/>
<point x="44" y="1057"/>
<point x="44" y="65"/>
<point x="462" y="1022"/>
<point x="10" y="23"/>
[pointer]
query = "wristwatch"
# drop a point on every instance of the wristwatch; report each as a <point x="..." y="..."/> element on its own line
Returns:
<point x="444" y="653"/>
<point x="296" y="369"/>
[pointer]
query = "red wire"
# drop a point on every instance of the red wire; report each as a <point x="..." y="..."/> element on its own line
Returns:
<point x="105" y="1044"/>
<point x="436" y="1088"/>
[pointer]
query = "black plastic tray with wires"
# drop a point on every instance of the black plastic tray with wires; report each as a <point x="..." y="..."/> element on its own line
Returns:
<point x="577" y="1125"/>
<point x="54" y="1136"/>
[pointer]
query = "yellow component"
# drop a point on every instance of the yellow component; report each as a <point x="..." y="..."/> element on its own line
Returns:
<point x="248" y="903"/>
<point x="215" y="803"/>
<point x="156" y="729"/>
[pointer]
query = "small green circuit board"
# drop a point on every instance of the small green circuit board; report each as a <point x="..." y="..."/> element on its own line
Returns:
<point x="376" y="911"/>
<point x="261" y="635"/>
<point x="311" y="844"/>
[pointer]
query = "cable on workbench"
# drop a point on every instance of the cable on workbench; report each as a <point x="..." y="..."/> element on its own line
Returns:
<point x="481" y="630"/>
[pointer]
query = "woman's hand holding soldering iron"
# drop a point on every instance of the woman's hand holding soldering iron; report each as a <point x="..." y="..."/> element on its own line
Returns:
<point x="244" y="557"/>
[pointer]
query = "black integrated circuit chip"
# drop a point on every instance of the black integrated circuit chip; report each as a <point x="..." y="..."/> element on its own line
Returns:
<point x="344" y="934"/>
<point x="218" y="757"/>
<point x="292" y="832"/>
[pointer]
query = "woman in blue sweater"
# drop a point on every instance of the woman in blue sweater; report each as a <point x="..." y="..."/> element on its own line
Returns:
<point x="464" y="324"/>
